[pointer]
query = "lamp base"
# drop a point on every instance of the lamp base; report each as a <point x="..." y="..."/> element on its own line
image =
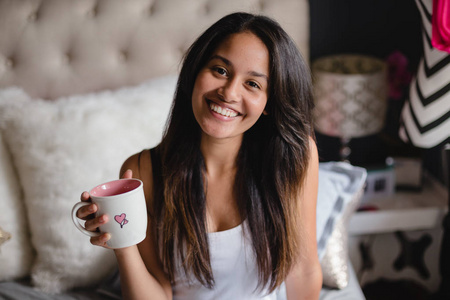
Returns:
<point x="368" y="150"/>
<point x="345" y="150"/>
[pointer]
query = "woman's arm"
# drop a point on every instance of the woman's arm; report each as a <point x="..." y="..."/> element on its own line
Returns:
<point x="305" y="279"/>
<point x="141" y="272"/>
<point x="136" y="279"/>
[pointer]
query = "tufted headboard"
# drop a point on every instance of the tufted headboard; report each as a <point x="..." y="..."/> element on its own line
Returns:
<point x="54" y="48"/>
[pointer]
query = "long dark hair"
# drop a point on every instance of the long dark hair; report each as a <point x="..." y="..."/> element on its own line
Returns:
<point x="271" y="162"/>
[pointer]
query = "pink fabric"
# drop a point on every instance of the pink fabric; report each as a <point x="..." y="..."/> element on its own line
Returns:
<point x="440" y="22"/>
<point x="399" y="76"/>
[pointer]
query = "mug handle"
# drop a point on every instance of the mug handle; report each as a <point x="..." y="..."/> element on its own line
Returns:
<point x="77" y="223"/>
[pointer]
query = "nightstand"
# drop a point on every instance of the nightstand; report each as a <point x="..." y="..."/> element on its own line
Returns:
<point x="401" y="239"/>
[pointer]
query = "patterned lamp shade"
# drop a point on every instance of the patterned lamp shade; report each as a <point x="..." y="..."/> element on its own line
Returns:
<point x="426" y="116"/>
<point x="350" y="93"/>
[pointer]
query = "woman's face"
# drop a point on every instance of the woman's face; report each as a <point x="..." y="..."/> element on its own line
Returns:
<point x="230" y="91"/>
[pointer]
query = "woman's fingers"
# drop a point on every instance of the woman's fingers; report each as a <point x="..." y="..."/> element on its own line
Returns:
<point x="86" y="212"/>
<point x="85" y="196"/>
<point x="94" y="223"/>
<point x="101" y="240"/>
<point x="127" y="174"/>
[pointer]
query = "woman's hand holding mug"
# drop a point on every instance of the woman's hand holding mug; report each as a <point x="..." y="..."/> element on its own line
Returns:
<point x="115" y="213"/>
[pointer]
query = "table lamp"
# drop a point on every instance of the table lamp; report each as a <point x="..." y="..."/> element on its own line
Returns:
<point x="350" y="94"/>
<point x="426" y="114"/>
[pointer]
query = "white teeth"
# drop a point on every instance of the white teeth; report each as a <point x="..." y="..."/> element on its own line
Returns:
<point x="223" y="111"/>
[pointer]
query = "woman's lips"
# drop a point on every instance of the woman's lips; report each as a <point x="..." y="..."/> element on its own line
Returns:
<point x="223" y="111"/>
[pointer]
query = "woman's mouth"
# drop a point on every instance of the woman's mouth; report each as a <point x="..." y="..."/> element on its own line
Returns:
<point x="226" y="112"/>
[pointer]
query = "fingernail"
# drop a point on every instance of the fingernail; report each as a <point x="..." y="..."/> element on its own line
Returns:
<point x="91" y="208"/>
<point x="106" y="237"/>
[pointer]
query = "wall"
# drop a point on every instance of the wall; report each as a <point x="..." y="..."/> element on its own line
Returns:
<point x="374" y="27"/>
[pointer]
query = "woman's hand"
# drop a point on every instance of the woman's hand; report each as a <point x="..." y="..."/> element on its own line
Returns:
<point x="87" y="213"/>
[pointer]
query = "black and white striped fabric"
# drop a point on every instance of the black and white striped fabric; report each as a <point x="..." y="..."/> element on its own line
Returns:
<point x="426" y="115"/>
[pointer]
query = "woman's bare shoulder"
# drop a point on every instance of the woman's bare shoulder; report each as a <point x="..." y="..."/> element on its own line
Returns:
<point x="141" y="166"/>
<point x="313" y="148"/>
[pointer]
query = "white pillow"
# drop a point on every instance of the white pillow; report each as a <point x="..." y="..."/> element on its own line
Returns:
<point x="338" y="183"/>
<point x="66" y="146"/>
<point x="327" y="196"/>
<point x="16" y="254"/>
<point x="341" y="186"/>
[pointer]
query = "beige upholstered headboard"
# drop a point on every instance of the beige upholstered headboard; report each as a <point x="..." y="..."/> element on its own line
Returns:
<point x="53" y="48"/>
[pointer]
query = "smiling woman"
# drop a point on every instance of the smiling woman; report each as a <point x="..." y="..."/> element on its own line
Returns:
<point x="231" y="189"/>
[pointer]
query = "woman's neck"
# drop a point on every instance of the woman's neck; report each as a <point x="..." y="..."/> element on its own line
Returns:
<point x="222" y="212"/>
<point x="220" y="155"/>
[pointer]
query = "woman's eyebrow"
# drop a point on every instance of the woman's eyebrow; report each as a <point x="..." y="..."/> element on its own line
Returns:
<point x="256" y="74"/>
<point x="225" y="61"/>
<point x="229" y="63"/>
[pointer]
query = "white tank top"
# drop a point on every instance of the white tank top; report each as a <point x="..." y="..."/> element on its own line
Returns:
<point x="234" y="269"/>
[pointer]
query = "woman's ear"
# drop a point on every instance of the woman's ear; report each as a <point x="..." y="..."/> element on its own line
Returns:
<point x="265" y="112"/>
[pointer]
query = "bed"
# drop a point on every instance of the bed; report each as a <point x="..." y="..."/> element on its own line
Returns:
<point x="77" y="78"/>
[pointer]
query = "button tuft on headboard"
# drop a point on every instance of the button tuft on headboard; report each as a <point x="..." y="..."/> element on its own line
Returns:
<point x="123" y="55"/>
<point x="33" y="16"/>
<point x="93" y="12"/>
<point x="262" y="5"/>
<point x="182" y="51"/>
<point x="10" y="63"/>
<point x="67" y="58"/>
<point x="207" y="8"/>
<point x="151" y="8"/>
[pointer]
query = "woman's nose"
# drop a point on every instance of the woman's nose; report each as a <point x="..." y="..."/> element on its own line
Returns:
<point x="230" y="92"/>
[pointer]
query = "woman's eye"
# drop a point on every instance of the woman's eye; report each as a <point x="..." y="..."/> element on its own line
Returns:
<point x="253" y="84"/>
<point x="221" y="71"/>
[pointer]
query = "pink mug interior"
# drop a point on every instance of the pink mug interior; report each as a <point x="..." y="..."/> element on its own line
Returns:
<point x="115" y="187"/>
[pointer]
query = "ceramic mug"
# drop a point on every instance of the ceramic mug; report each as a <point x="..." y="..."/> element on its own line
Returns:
<point x="123" y="202"/>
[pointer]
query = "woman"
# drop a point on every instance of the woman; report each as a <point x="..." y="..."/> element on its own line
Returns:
<point x="231" y="189"/>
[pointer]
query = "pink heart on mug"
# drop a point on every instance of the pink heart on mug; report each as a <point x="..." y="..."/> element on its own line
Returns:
<point x="119" y="219"/>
